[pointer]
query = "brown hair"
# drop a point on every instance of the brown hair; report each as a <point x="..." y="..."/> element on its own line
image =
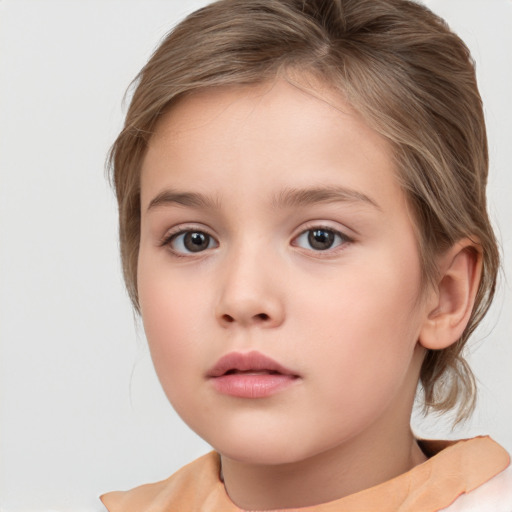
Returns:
<point x="399" y="65"/>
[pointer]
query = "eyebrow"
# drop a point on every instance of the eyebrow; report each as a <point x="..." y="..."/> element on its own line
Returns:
<point x="295" y="197"/>
<point x="288" y="198"/>
<point x="190" y="199"/>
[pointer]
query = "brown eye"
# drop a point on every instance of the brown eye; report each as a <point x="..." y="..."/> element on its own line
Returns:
<point x="191" y="242"/>
<point x="195" y="242"/>
<point x="320" y="239"/>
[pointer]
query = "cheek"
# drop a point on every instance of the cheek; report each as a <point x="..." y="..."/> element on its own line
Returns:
<point x="367" y="297"/>
<point x="175" y="330"/>
<point x="366" y="328"/>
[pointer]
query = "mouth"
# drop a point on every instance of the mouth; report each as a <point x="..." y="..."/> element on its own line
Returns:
<point x="248" y="363"/>
<point x="251" y="372"/>
<point x="250" y="375"/>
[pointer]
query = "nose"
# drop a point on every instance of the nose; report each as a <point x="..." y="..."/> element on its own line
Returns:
<point x="250" y="294"/>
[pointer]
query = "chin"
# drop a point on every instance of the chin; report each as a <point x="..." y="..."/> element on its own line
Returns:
<point x="264" y="447"/>
<point x="258" y="441"/>
<point x="260" y="436"/>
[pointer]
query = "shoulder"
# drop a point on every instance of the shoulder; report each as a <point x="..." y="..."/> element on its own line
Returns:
<point x="191" y="483"/>
<point x="495" y="495"/>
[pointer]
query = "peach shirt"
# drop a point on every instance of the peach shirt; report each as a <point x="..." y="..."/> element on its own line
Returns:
<point x="453" y="469"/>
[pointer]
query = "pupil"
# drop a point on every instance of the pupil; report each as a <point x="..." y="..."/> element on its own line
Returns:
<point x="196" y="241"/>
<point x="320" y="239"/>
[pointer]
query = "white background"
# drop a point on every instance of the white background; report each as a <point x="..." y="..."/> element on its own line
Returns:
<point x="81" y="410"/>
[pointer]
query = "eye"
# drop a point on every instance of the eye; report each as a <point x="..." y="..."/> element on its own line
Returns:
<point x="186" y="242"/>
<point x="320" y="239"/>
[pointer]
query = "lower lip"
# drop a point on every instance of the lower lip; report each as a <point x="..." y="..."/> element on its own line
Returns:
<point x="252" y="386"/>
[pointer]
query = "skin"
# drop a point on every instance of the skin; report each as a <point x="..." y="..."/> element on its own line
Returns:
<point x="347" y="319"/>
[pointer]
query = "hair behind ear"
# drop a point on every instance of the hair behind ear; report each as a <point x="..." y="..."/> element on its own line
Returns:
<point x="445" y="375"/>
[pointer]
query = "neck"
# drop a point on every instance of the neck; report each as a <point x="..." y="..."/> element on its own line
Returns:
<point x="334" y="474"/>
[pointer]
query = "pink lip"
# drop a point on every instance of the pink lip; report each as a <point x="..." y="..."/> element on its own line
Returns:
<point x="250" y="375"/>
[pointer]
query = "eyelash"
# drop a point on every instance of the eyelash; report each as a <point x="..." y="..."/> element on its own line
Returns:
<point x="342" y="238"/>
<point x="169" y="238"/>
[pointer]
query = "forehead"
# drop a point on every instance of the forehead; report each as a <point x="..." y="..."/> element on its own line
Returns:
<point x="287" y="102"/>
<point x="276" y="133"/>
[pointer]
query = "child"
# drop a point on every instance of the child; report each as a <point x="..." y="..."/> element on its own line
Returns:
<point x="301" y="189"/>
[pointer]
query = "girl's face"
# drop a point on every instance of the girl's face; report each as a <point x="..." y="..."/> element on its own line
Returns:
<point x="273" y="228"/>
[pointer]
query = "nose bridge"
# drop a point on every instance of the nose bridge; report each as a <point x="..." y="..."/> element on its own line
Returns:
<point x="249" y="292"/>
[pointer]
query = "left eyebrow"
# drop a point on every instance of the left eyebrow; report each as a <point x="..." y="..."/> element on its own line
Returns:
<point x="296" y="197"/>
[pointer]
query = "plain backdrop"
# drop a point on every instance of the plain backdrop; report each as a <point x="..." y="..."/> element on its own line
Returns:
<point x="81" y="409"/>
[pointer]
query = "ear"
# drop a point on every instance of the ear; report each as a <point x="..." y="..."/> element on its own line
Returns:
<point x="450" y="304"/>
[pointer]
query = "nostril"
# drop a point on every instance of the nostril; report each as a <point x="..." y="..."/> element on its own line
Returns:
<point x="262" y="318"/>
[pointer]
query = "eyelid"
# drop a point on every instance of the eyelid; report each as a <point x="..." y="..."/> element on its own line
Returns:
<point x="322" y="225"/>
<point x="171" y="234"/>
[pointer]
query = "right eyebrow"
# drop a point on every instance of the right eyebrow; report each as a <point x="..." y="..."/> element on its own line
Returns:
<point x="190" y="199"/>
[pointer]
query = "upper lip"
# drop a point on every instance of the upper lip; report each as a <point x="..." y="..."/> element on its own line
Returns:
<point x="247" y="361"/>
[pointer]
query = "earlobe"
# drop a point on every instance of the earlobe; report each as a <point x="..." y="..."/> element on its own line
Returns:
<point x="452" y="301"/>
